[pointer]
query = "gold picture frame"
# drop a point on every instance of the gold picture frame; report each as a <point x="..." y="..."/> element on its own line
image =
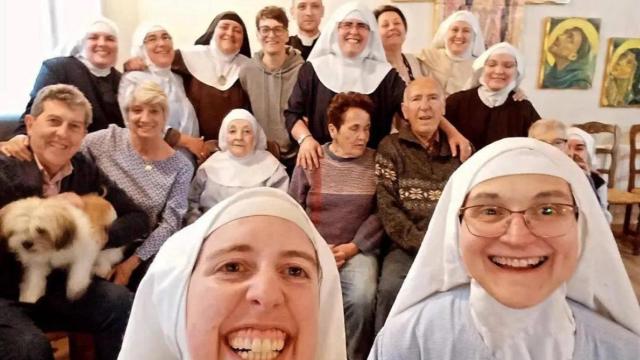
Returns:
<point x="569" y="52"/>
<point x="621" y="79"/>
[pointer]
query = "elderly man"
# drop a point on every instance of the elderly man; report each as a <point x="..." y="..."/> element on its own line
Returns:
<point x="269" y="79"/>
<point x="56" y="127"/>
<point x="308" y="14"/>
<point x="551" y="131"/>
<point x="412" y="167"/>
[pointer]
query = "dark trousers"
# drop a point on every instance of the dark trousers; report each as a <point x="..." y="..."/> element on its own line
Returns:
<point x="103" y="311"/>
<point x="395" y="267"/>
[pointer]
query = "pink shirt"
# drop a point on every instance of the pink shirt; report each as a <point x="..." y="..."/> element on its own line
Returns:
<point x="51" y="184"/>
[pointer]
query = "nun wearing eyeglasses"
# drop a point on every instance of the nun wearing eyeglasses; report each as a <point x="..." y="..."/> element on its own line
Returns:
<point x="518" y="263"/>
<point x="348" y="56"/>
<point x="488" y="111"/>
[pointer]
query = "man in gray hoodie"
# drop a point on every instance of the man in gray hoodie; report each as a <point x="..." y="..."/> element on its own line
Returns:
<point x="269" y="79"/>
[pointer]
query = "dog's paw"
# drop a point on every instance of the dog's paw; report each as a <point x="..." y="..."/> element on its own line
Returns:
<point x="76" y="292"/>
<point x="30" y="298"/>
<point x="102" y="270"/>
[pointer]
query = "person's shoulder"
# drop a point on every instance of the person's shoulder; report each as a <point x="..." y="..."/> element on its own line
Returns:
<point x="596" y="334"/>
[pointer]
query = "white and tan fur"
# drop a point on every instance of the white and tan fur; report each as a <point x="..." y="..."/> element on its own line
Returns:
<point x="52" y="233"/>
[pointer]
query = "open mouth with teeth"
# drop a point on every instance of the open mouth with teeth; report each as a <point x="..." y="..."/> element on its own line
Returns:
<point x="257" y="345"/>
<point x="518" y="263"/>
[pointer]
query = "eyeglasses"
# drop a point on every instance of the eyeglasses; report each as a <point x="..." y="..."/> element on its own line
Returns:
<point x="276" y="30"/>
<point x="542" y="220"/>
<point x="557" y="142"/>
<point x="348" y="25"/>
<point x="153" y="39"/>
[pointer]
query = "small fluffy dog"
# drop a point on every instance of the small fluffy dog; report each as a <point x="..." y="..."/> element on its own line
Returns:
<point x="52" y="233"/>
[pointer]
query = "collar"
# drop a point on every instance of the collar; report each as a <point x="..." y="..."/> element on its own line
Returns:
<point x="55" y="178"/>
<point x="308" y="40"/>
<point x="432" y="147"/>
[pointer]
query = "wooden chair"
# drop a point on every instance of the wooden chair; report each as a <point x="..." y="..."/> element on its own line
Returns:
<point x="80" y="344"/>
<point x="615" y="196"/>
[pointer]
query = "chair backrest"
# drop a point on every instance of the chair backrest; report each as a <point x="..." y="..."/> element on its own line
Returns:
<point x="595" y="127"/>
<point x="633" y="152"/>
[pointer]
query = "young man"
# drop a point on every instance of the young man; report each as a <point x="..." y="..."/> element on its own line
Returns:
<point x="56" y="126"/>
<point x="308" y="14"/>
<point x="412" y="167"/>
<point x="269" y="79"/>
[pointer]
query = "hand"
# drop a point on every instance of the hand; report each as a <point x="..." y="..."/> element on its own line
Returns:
<point x="18" y="147"/>
<point x="135" y="64"/>
<point x="343" y="252"/>
<point x="195" y="145"/>
<point x="466" y="149"/>
<point x="519" y="95"/>
<point x="121" y="273"/>
<point x="73" y="198"/>
<point x="309" y="154"/>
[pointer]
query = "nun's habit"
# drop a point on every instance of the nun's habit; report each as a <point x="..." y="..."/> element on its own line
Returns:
<point x="99" y="86"/>
<point x="453" y="72"/>
<point x="442" y="313"/>
<point x="484" y="116"/>
<point x="211" y="77"/>
<point x="157" y="328"/>
<point x="223" y="174"/>
<point x="182" y="116"/>
<point x="327" y="72"/>
<point x="597" y="182"/>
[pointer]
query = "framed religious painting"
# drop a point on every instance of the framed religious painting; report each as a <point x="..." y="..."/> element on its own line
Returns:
<point x="500" y="20"/>
<point x="548" y="1"/>
<point x="569" y="50"/>
<point x="621" y="84"/>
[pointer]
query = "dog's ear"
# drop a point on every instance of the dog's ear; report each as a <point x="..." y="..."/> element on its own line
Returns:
<point x="67" y="233"/>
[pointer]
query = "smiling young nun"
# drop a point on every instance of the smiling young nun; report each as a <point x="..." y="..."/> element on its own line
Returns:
<point x="211" y="68"/>
<point x="163" y="324"/>
<point x="515" y="295"/>
<point x="452" y="53"/>
<point x="240" y="164"/>
<point x="487" y="111"/>
<point x="155" y="38"/>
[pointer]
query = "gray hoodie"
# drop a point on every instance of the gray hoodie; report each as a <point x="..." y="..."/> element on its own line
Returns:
<point x="269" y="92"/>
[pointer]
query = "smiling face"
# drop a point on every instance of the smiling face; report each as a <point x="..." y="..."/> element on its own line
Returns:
<point x="308" y="14"/>
<point x="101" y="49"/>
<point x="518" y="268"/>
<point x="56" y="134"/>
<point x="273" y="36"/>
<point x="499" y="71"/>
<point x="159" y="47"/>
<point x="240" y="138"/>
<point x="254" y="293"/>
<point x="392" y="30"/>
<point x="146" y="120"/>
<point x="350" y="140"/>
<point x="353" y="37"/>
<point x="459" y="37"/>
<point x="577" y="150"/>
<point x="423" y="106"/>
<point x="228" y="36"/>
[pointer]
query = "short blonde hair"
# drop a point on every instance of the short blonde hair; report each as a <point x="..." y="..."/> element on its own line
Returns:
<point x="67" y="94"/>
<point x="547" y="125"/>
<point x="148" y="93"/>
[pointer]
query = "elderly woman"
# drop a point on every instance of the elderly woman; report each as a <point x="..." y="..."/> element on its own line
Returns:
<point x="487" y="112"/>
<point x="456" y="44"/>
<point x="141" y="163"/>
<point x="153" y="44"/>
<point x="347" y="57"/>
<point x="340" y="199"/>
<point x="392" y="25"/>
<point x="242" y="162"/>
<point x="251" y="279"/>
<point x="581" y="147"/>
<point x="512" y="268"/>
<point x="412" y="167"/>
<point x="90" y="68"/>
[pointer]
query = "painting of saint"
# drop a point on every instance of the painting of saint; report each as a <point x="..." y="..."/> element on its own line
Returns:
<point x="569" y="52"/>
<point x="621" y="85"/>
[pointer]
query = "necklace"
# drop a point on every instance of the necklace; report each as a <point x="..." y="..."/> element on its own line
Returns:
<point x="222" y="80"/>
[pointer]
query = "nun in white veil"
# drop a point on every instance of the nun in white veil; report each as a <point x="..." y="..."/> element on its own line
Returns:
<point x="457" y="42"/>
<point x="162" y="327"/>
<point x="237" y="166"/>
<point x="153" y="44"/>
<point x="560" y="294"/>
<point x="348" y="56"/>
